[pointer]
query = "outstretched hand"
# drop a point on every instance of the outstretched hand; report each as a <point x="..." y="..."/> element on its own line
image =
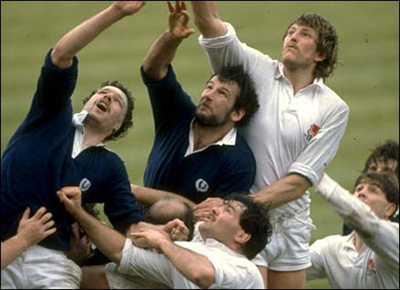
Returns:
<point x="71" y="197"/>
<point x="177" y="230"/>
<point x="150" y="238"/>
<point x="178" y="21"/>
<point x="203" y="211"/>
<point x="129" y="7"/>
<point x="39" y="226"/>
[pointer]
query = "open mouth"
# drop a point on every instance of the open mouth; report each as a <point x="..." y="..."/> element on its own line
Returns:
<point x="102" y="106"/>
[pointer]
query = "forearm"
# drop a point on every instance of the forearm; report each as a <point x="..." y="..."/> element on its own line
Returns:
<point x="149" y="196"/>
<point x="207" y="19"/>
<point x="75" y="40"/>
<point x="109" y="241"/>
<point x="12" y="249"/>
<point x="283" y="191"/>
<point x="355" y="213"/>
<point x="195" y="267"/>
<point x="160" y="56"/>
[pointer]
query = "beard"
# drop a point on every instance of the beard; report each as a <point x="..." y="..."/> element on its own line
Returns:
<point x="211" y="121"/>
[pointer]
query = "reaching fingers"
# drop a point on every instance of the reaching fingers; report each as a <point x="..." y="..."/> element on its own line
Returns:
<point x="49" y="224"/>
<point x="49" y="232"/>
<point x="39" y="213"/>
<point x="45" y="218"/>
<point x="25" y="216"/>
<point x="178" y="8"/>
<point x="184" y="5"/>
<point x="170" y="7"/>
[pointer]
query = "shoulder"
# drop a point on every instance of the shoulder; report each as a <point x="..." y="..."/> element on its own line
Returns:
<point x="328" y="242"/>
<point x="241" y="150"/>
<point x="108" y="158"/>
<point x="331" y="99"/>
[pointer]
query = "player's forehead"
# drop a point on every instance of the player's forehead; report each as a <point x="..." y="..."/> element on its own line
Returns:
<point x="369" y="181"/>
<point x="383" y="164"/>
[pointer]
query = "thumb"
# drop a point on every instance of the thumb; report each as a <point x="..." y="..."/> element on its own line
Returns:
<point x="62" y="197"/>
<point x="189" y="32"/>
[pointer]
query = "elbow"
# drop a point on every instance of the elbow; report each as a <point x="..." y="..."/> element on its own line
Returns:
<point x="154" y="72"/>
<point x="204" y="278"/>
<point x="116" y="257"/>
<point x="60" y="59"/>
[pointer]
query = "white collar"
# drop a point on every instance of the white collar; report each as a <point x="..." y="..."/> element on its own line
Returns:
<point x="279" y="73"/>
<point x="78" y="121"/>
<point x="229" y="139"/>
<point x="213" y="243"/>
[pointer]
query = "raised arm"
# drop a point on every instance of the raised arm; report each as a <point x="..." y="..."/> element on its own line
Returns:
<point x="109" y="241"/>
<point x="377" y="234"/>
<point x="75" y="40"/>
<point x="163" y="50"/>
<point x="207" y="19"/>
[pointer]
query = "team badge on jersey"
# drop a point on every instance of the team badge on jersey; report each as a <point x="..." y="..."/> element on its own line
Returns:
<point x="202" y="185"/>
<point x="85" y="184"/>
<point x="312" y="131"/>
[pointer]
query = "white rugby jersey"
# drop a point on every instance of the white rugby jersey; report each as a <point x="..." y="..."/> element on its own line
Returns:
<point x="290" y="133"/>
<point x="232" y="270"/>
<point x="376" y="266"/>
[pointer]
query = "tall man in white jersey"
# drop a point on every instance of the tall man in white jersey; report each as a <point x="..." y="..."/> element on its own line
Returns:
<point x="295" y="133"/>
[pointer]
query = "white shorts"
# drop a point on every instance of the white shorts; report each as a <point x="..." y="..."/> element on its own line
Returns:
<point x="117" y="280"/>
<point x="41" y="268"/>
<point x="288" y="249"/>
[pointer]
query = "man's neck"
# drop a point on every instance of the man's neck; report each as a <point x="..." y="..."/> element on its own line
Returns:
<point x="357" y="242"/>
<point x="299" y="78"/>
<point x="205" y="135"/>
<point x="92" y="137"/>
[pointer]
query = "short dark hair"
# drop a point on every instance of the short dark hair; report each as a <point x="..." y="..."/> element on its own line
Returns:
<point x="387" y="182"/>
<point x="186" y="216"/>
<point x="254" y="221"/>
<point x="384" y="152"/>
<point x="328" y="42"/>
<point x="128" y="122"/>
<point x="247" y="97"/>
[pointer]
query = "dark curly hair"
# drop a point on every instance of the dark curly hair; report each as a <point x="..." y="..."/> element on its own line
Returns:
<point x="328" y="42"/>
<point x="128" y="122"/>
<point x="247" y="97"/>
<point x="384" y="152"/>
<point x="254" y="221"/>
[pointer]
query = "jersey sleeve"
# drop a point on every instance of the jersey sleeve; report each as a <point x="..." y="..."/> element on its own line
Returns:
<point x="120" y="205"/>
<point x="227" y="50"/>
<point x="54" y="89"/>
<point x="316" y="270"/>
<point x="323" y="146"/>
<point x="379" y="235"/>
<point x="147" y="264"/>
<point x="169" y="102"/>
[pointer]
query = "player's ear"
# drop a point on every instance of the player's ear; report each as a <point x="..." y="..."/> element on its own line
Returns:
<point x="390" y="209"/>
<point x="242" y="237"/>
<point x="238" y="114"/>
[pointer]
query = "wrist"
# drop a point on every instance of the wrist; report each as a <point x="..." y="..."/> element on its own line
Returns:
<point x="116" y="11"/>
<point x="172" y="37"/>
<point x="165" y="245"/>
<point x="20" y="242"/>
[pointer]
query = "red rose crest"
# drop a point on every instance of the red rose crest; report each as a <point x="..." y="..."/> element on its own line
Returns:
<point x="312" y="132"/>
<point x="371" y="264"/>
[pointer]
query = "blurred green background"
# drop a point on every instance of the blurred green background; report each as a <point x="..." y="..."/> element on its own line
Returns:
<point x="367" y="79"/>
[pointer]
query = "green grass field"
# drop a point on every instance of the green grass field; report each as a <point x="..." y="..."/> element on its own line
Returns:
<point x="367" y="79"/>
